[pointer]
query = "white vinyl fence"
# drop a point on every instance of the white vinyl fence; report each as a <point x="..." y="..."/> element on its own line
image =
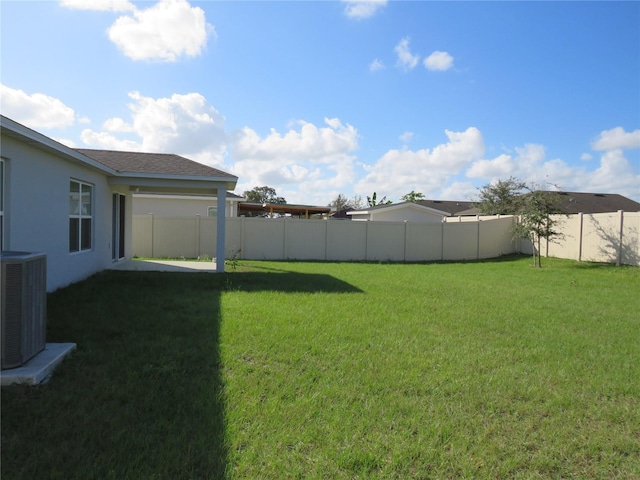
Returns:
<point x="333" y="240"/>
<point x="599" y="237"/>
<point x="608" y="237"/>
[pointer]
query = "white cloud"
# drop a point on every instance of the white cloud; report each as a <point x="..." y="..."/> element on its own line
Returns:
<point x="527" y="159"/>
<point x="617" y="138"/>
<point x="182" y="124"/>
<point x="500" y="167"/>
<point x="376" y="65"/>
<point x="117" y="124"/>
<point x="615" y="173"/>
<point x="107" y="141"/>
<point x="309" y="143"/>
<point x="397" y="171"/>
<point x="406" y="59"/>
<point x="99" y="5"/>
<point x="35" y="110"/>
<point x="438" y="61"/>
<point x="406" y="137"/>
<point x="360" y="9"/>
<point x="303" y="163"/>
<point x="586" y="157"/>
<point x="65" y="141"/>
<point x="166" y="31"/>
<point x="464" y="191"/>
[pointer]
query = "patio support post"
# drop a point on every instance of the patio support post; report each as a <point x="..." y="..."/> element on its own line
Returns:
<point x="220" y="229"/>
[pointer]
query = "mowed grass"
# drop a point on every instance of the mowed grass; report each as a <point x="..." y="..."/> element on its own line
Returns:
<point x="333" y="370"/>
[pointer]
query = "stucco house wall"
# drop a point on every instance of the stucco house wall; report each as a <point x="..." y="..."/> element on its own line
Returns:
<point x="37" y="173"/>
<point x="402" y="212"/>
<point x="37" y="211"/>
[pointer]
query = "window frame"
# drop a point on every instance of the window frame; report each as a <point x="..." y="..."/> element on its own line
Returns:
<point x="83" y="220"/>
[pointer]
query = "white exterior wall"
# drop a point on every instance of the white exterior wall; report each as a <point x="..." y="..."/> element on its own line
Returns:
<point x="179" y="205"/>
<point x="405" y="214"/>
<point x="37" y="212"/>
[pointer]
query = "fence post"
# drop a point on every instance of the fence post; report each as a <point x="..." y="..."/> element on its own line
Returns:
<point x="478" y="238"/>
<point x="442" y="238"/>
<point x="284" y="238"/>
<point x="366" y="241"/>
<point x="404" y="253"/>
<point x="242" y="252"/>
<point x="326" y="239"/>
<point x="580" y="217"/>
<point x="197" y="235"/>
<point x="619" y="256"/>
<point x="152" y="236"/>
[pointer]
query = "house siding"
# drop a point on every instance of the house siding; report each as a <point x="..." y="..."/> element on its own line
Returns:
<point x="37" y="211"/>
<point x="406" y="214"/>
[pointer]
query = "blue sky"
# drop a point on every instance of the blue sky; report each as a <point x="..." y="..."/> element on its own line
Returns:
<point x="327" y="97"/>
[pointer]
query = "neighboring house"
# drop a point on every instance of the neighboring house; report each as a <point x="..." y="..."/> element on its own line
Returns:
<point x="582" y="202"/>
<point x="452" y="207"/>
<point x="399" y="212"/>
<point x="183" y="205"/>
<point x="75" y="204"/>
<point x="577" y="202"/>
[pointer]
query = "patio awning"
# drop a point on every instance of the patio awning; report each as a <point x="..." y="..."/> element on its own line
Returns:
<point x="283" y="208"/>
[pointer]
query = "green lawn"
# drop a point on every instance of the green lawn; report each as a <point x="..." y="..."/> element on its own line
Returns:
<point x="334" y="370"/>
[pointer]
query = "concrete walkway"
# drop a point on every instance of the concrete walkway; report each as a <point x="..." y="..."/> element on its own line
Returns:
<point x="165" y="266"/>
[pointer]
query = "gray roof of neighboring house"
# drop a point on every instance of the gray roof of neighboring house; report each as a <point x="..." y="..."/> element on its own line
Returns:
<point x="396" y="206"/>
<point x="578" y="202"/>
<point x="444" y="206"/>
<point x="450" y="206"/>
<point x="583" y="202"/>
<point x="152" y="163"/>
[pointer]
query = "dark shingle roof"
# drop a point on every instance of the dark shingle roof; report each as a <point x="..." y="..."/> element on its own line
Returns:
<point x="582" y="202"/>
<point x="578" y="202"/>
<point x="450" y="206"/>
<point x="152" y="163"/>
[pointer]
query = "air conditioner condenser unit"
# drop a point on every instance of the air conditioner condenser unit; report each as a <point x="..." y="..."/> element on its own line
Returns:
<point x="23" y="307"/>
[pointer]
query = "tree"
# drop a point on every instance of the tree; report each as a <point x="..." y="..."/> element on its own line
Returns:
<point x="536" y="221"/>
<point x="532" y="205"/>
<point x="372" y="201"/>
<point x="503" y="197"/>
<point x="413" y="197"/>
<point x="263" y="195"/>
<point x="342" y="202"/>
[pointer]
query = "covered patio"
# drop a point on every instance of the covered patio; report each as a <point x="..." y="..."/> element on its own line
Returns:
<point x="157" y="173"/>
<point x="166" y="266"/>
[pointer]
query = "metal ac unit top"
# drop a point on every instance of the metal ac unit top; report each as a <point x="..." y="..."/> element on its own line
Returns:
<point x="23" y="306"/>
<point x="8" y="256"/>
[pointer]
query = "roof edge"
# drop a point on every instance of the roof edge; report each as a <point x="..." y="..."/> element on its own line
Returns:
<point x="47" y="143"/>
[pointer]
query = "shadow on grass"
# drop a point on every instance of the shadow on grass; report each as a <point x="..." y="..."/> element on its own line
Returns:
<point x="278" y="280"/>
<point x="143" y="395"/>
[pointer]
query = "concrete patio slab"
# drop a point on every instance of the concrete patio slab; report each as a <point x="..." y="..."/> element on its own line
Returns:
<point x="39" y="368"/>
<point x="165" y="266"/>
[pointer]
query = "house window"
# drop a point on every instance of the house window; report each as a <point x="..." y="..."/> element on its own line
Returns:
<point x="212" y="211"/>
<point x="80" y="216"/>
